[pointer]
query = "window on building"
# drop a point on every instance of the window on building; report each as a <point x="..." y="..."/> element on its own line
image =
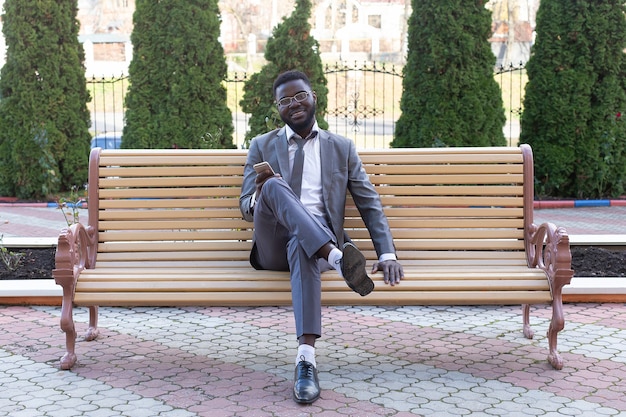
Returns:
<point x="374" y="20"/>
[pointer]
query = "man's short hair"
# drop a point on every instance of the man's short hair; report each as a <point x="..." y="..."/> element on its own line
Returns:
<point x="291" y="75"/>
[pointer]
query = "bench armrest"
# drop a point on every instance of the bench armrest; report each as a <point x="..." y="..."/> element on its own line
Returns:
<point x="76" y="250"/>
<point x="547" y="248"/>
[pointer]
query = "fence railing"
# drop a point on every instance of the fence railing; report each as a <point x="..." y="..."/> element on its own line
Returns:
<point x="512" y="80"/>
<point x="363" y="101"/>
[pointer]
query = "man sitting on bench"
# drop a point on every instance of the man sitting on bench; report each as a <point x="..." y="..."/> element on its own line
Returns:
<point x="297" y="204"/>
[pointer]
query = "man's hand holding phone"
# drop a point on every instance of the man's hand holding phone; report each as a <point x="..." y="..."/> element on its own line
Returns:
<point x="262" y="167"/>
<point x="264" y="171"/>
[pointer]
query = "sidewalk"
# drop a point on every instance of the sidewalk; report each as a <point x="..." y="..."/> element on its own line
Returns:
<point x="372" y="361"/>
<point x="33" y="221"/>
<point x="586" y="220"/>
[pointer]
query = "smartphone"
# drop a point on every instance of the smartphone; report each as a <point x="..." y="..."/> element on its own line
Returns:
<point x="263" y="166"/>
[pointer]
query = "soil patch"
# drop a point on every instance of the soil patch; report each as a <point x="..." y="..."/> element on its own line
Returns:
<point x="586" y="262"/>
<point x="33" y="264"/>
<point x="598" y="262"/>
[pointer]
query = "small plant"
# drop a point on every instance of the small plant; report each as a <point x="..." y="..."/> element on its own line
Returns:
<point x="10" y="259"/>
<point x="69" y="206"/>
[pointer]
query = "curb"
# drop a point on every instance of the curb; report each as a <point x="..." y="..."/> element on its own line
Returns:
<point x="548" y="204"/>
<point x="51" y="204"/>
<point x="537" y="204"/>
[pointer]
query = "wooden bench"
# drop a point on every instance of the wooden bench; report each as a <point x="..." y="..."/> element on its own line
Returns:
<point x="165" y="229"/>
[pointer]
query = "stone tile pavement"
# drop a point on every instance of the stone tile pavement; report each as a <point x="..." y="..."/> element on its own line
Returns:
<point x="373" y="361"/>
<point x="34" y="221"/>
<point x="586" y="220"/>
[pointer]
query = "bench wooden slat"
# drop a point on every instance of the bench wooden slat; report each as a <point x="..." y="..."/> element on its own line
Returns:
<point x="416" y="233"/>
<point x="173" y="276"/>
<point x="395" y="215"/>
<point x="234" y="170"/>
<point x="180" y="213"/>
<point x="180" y="157"/>
<point x="443" y="212"/>
<point x="243" y="262"/>
<point x="234" y="264"/>
<point x="387" y="297"/>
<point x="159" y="235"/>
<point x="452" y="190"/>
<point x="137" y="248"/>
<point x="138" y="183"/>
<point x="414" y="169"/>
<point x="175" y="256"/>
<point x="463" y="201"/>
<point x="393" y="158"/>
<point x="425" y="285"/>
<point x="175" y="224"/>
<point x="167" y="203"/>
<point x="402" y="246"/>
<point x="460" y="244"/>
<point x="461" y="255"/>
<point x="467" y="202"/>
<point x="401" y="214"/>
<point x="144" y="193"/>
<point x="112" y="264"/>
<point x="423" y="258"/>
<point x="454" y="179"/>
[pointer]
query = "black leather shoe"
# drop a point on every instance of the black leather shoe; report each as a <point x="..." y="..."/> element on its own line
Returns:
<point x="306" y="386"/>
<point x="353" y="270"/>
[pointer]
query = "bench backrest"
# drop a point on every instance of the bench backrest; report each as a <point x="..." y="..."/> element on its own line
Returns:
<point x="183" y="205"/>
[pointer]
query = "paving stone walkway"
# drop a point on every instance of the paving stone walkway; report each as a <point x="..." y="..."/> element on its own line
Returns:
<point x="373" y="361"/>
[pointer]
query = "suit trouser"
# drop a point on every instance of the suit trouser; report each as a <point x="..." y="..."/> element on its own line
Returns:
<point x="287" y="237"/>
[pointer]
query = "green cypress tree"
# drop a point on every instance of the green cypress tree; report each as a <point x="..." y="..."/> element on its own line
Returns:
<point x="575" y="99"/>
<point x="176" y="97"/>
<point x="290" y="47"/>
<point x="450" y="97"/>
<point x="44" y="121"/>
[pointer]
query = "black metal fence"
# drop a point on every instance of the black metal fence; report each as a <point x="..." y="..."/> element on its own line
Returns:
<point x="512" y="80"/>
<point x="363" y="101"/>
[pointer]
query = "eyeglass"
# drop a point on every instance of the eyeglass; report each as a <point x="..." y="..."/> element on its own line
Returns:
<point x="286" y="101"/>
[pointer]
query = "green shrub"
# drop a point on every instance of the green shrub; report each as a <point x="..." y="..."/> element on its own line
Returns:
<point x="450" y="97"/>
<point x="576" y="97"/>
<point x="176" y="98"/>
<point x="44" y="121"/>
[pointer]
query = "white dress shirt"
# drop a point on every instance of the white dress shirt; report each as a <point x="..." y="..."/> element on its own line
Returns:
<point x="311" y="191"/>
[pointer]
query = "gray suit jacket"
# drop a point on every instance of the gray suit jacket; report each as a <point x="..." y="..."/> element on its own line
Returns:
<point x="341" y="170"/>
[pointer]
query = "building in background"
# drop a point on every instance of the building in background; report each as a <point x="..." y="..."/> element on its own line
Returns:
<point x="513" y="30"/>
<point x="347" y="30"/>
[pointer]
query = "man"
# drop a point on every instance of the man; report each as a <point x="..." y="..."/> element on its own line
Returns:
<point x="298" y="215"/>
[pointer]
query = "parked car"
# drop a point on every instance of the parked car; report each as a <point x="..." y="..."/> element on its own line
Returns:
<point x="107" y="140"/>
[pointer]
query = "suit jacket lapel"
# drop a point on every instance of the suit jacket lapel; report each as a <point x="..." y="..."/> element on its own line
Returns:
<point x="282" y="152"/>
<point x="327" y="164"/>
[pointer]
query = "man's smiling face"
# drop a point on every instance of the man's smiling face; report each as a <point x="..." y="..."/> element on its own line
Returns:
<point x="299" y="115"/>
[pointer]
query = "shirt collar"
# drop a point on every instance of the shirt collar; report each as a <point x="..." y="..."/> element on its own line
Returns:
<point x="289" y="131"/>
